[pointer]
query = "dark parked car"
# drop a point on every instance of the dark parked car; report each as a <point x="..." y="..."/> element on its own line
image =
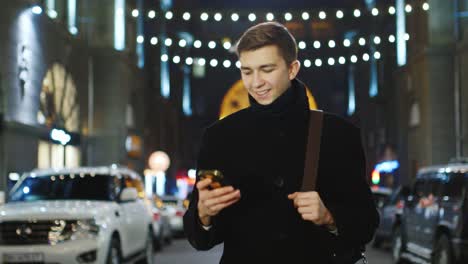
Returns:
<point x="381" y="195"/>
<point x="390" y="207"/>
<point x="434" y="222"/>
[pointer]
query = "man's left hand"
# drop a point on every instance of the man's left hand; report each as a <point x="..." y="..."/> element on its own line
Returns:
<point x="311" y="208"/>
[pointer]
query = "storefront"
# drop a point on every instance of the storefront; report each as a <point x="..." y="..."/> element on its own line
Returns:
<point x="54" y="140"/>
<point x="65" y="100"/>
<point x="44" y="71"/>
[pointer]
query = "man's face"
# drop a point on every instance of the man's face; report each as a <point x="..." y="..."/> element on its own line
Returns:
<point x="265" y="73"/>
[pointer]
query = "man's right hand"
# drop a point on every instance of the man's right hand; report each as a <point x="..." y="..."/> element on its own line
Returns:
<point x="211" y="202"/>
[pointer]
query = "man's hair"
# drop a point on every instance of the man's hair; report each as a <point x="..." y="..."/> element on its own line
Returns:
<point x="269" y="33"/>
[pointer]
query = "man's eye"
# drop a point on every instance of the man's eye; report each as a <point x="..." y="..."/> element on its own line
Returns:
<point x="268" y="70"/>
<point x="246" y="73"/>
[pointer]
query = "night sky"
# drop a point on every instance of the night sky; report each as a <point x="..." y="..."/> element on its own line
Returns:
<point x="273" y="4"/>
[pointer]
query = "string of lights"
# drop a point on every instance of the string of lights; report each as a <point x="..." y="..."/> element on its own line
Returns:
<point x="226" y="44"/>
<point x="270" y="16"/>
<point x="302" y="45"/>
<point x="308" y="62"/>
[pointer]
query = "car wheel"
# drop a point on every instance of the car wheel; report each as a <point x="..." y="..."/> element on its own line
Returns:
<point x="114" y="256"/>
<point x="377" y="242"/>
<point x="397" y="246"/>
<point x="168" y="238"/>
<point x="158" y="241"/>
<point x="157" y="244"/>
<point x="442" y="252"/>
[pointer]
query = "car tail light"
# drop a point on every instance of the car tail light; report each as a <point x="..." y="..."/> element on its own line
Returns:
<point x="180" y="213"/>
<point x="400" y="204"/>
<point x="456" y="208"/>
<point x="156" y="216"/>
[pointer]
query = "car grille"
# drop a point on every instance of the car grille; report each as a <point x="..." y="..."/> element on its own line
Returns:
<point x="28" y="232"/>
<point x="171" y="203"/>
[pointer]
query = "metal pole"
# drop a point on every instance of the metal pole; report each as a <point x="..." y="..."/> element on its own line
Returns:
<point x="64" y="164"/>
<point x="90" y="110"/>
<point x="457" y="88"/>
<point x="3" y="152"/>
<point x="457" y="109"/>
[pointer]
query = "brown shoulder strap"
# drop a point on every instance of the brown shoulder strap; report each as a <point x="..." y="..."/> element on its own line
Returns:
<point x="312" y="151"/>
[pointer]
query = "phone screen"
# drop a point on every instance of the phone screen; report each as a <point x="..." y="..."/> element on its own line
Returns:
<point x="216" y="177"/>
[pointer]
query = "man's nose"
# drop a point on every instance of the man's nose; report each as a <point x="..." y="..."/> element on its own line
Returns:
<point x="257" y="80"/>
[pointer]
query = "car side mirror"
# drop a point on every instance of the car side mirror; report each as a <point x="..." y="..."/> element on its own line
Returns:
<point x="129" y="194"/>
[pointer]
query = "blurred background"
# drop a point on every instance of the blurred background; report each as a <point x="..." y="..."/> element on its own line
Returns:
<point x="135" y="82"/>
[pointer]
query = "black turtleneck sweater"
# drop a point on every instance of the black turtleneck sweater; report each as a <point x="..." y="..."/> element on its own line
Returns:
<point x="261" y="151"/>
<point x="293" y="99"/>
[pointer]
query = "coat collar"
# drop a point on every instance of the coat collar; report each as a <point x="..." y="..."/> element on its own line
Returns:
<point x="293" y="99"/>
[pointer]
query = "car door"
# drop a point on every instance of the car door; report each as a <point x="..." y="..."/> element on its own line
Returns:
<point x="143" y="213"/>
<point x="387" y="219"/>
<point x="429" y="216"/>
<point x="131" y="220"/>
<point x="412" y="212"/>
<point x="450" y="203"/>
<point x="423" y="211"/>
<point x="121" y="214"/>
<point x="138" y="220"/>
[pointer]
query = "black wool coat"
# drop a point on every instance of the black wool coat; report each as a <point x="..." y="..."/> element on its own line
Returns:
<point x="261" y="151"/>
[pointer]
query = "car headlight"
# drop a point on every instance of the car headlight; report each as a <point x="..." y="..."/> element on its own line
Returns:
<point x="65" y="230"/>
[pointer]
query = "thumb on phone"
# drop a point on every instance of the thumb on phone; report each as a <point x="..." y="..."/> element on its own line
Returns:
<point x="203" y="184"/>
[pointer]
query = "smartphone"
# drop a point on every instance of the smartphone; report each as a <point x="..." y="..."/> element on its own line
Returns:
<point x="216" y="176"/>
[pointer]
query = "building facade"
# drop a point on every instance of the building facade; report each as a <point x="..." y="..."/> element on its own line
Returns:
<point x="67" y="98"/>
<point x="421" y="108"/>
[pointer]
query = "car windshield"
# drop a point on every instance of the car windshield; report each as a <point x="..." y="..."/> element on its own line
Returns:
<point x="396" y="196"/>
<point x="455" y="185"/>
<point x="66" y="187"/>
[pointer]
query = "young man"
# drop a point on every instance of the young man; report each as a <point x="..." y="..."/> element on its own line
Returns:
<point x="260" y="215"/>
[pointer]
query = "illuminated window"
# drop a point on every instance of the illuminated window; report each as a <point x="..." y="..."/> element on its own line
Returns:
<point x="50" y="155"/>
<point x="72" y="17"/>
<point x="119" y="25"/>
<point x="58" y="100"/>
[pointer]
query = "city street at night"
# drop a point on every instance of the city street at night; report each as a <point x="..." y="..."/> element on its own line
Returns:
<point x="181" y="252"/>
<point x="271" y="131"/>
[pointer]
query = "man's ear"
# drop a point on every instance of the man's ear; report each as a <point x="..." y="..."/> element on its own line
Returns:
<point x="294" y="69"/>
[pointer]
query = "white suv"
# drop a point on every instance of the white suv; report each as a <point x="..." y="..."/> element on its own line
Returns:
<point x="83" y="215"/>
